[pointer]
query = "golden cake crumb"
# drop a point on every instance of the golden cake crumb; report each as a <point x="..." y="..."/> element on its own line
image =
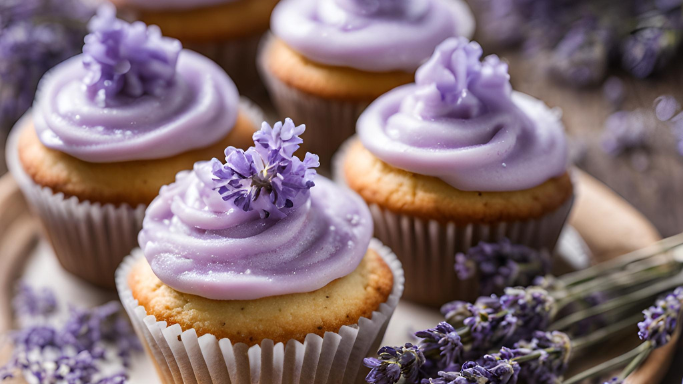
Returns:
<point x="279" y="318"/>
<point x="225" y="21"/>
<point x="130" y="182"/>
<point x="430" y="198"/>
<point x="331" y="82"/>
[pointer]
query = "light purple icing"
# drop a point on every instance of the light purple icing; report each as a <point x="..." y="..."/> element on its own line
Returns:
<point x="126" y="98"/>
<point x="461" y="122"/>
<point x="198" y="243"/>
<point x="370" y="35"/>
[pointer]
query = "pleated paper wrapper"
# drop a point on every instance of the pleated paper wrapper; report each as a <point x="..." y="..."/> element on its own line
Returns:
<point x="89" y="239"/>
<point x="427" y="248"/>
<point x="183" y="357"/>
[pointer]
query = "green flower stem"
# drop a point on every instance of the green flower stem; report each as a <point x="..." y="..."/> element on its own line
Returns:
<point x="626" y="300"/>
<point x="613" y="283"/>
<point x="603" y="334"/>
<point x="609" y="365"/>
<point x="603" y="269"/>
<point x="635" y="363"/>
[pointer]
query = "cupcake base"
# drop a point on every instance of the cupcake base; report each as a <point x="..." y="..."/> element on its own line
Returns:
<point x="182" y="357"/>
<point x="427" y="248"/>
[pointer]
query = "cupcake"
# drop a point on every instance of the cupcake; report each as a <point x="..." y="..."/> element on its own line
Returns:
<point x="108" y="128"/>
<point x="256" y="270"/>
<point x="227" y="31"/>
<point x="454" y="159"/>
<point x="328" y="59"/>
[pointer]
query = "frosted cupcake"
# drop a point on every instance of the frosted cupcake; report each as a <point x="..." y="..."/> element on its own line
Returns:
<point x="110" y="127"/>
<point x="256" y="270"/>
<point x="454" y="159"/>
<point x="227" y="31"/>
<point x="328" y="59"/>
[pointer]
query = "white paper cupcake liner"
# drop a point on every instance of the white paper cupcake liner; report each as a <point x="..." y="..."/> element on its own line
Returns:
<point x="238" y="58"/>
<point x="89" y="239"/>
<point x="182" y="357"/>
<point x="427" y="248"/>
<point x="328" y="122"/>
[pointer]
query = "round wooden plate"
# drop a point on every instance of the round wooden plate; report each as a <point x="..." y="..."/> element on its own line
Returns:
<point x="608" y="224"/>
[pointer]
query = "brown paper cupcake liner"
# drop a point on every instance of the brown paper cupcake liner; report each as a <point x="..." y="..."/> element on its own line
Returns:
<point x="329" y="122"/>
<point x="427" y="248"/>
<point x="89" y="239"/>
<point x="182" y="357"/>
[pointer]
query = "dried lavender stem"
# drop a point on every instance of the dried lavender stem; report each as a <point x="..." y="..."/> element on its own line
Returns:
<point x="609" y="365"/>
<point x="630" y="299"/>
<point x="605" y="333"/>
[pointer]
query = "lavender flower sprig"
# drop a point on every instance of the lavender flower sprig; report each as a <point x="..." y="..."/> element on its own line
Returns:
<point x="394" y="362"/>
<point x="267" y="177"/>
<point x="502" y="264"/>
<point x="661" y="319"/>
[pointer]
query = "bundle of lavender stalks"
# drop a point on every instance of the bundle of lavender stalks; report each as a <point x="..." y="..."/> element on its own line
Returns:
<point x="532" y="334"/>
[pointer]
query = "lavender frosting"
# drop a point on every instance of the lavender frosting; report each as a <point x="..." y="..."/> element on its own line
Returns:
<point x="370" y="35"/>
<point x="198" y="243"/>
<point x="461" y="122"/>
<point x="133" y="95"/>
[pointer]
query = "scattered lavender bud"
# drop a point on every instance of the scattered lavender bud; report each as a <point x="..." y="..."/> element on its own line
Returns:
<point x="394" y="363"/>
<point x="648" y="49"/>
<point x="501" y="265"/>
<point x="581" y="57"/>
<point x="626" y="130"/>
<point x="613" y="90"/>
<point x="31" y="302"/>
<point x="661" y="319"/>
<point x="666" y="107"/>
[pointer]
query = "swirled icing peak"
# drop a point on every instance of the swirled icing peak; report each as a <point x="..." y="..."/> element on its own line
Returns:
<point x="202" y="239"/>
<point x="369" y="35"/>
<point x="462" y="122"/>
<point x="132" y="59"/>
<point x="133" y="95"/>
<point x="267" y="177"/>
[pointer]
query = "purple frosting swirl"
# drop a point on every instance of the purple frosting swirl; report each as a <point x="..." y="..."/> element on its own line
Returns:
<point x="133" y="95"/>
<point x="370" y="35"/>
<point x="198" y="243"/>
<point x="462" y="122"/>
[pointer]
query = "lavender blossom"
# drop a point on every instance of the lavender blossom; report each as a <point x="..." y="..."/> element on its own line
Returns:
<point x="131" y="59"/>
<point x="442" y="345"/>
<point x="661" y="319"/>
<point x="394" y="363"/>
<point x="553" y="350"/>
<point x="35" y="36"/>
<point x="501" y="265"/>
<point x="267" y="177"/>
<point x="582" y="56"/>
<point x="614" y="380"/>
<point x="492" y="322"/>
<point x="493" y="371"/>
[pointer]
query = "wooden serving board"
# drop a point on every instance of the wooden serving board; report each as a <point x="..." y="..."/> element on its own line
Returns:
<point x="607" y="223"/>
